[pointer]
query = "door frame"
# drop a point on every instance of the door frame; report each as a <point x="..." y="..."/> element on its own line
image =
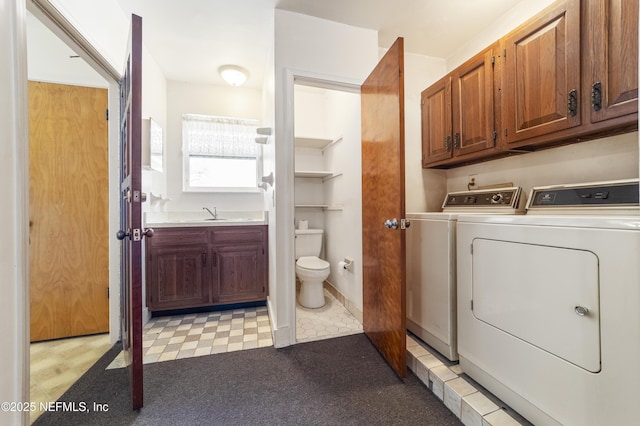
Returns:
<point x="287" y="255"/>
<point x="53" y="19"/>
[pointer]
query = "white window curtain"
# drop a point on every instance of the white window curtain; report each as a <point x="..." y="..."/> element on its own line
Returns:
<point x="219" y="136"/>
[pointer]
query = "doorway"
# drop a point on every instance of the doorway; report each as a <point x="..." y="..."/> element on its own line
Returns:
<point x="56" y="364"/>
<point x="328" y="198"/>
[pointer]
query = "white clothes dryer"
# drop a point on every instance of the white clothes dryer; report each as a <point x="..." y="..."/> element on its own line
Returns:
<point x="549" y="304"/>
<point x="431" y="265"/>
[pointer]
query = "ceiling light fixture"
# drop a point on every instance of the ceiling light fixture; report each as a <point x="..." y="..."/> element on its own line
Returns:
<point x="233" y="74"/>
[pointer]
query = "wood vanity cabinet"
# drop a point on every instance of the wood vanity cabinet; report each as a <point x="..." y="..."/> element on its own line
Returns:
<point x="189" y="267"/>
<point x="458" y="112"/>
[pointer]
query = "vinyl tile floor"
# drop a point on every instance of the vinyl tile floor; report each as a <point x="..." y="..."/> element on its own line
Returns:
<point x="58" y="364"/>
<point x="331" y="320"/>
<point x="185" y="336"/>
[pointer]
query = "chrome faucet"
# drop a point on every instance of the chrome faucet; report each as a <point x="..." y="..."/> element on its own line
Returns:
<point x="213" y="213"/>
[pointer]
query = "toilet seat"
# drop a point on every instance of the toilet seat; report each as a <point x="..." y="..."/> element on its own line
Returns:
<point x="312" y="263"/>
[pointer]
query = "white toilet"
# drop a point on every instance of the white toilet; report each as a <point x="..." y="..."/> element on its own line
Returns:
<point x="310" y="269"/>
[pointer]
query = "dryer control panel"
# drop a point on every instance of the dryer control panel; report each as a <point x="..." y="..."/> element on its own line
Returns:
<point x="600" y="195"/>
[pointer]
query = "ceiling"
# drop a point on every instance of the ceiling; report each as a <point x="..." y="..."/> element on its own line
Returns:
<point x="191" y="39"/>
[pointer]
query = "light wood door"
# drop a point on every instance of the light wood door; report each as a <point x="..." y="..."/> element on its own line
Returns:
<point x="612" y="55"/>
<point x="131" y="231"/>
<point x="541" y="90"/>
<point x="68" y="203"/>
<point x="437" y="135"/>
<point x="384" y="311"/>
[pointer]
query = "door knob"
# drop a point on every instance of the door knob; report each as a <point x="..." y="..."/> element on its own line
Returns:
<point x="148" y="232"/>
<point x="391" y="224"/>
<point x="121" y="235"/>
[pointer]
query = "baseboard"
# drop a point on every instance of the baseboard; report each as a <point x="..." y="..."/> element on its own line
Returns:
<point x="348" y="304"/>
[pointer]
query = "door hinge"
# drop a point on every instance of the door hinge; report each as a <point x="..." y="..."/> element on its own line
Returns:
<point x="495" y="135"/>
<point x="493" y="60"/>
<point x="504" y="53"/>
<point x="506" y="132"/>
<point x="471" y="247"/>
<point x="108" y="294"/>
<point x="472" y="304"/>
<point x="106" y="114"/>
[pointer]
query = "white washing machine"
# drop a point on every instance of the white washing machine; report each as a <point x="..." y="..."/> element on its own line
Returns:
<point x="549" y="304"/>
<point x="431" y="266"/>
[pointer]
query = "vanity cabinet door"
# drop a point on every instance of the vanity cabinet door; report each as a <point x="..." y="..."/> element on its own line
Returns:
<point x="239" y="273"/>
<point x="179" y="277"/>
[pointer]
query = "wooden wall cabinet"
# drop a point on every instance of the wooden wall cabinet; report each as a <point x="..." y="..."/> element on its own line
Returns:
<point x="568" y="74"/>
<point x="458" y="112"/>
<point x="541" y="79"/>
<point x="611" y="53"/>
<point x="189" y="267"/>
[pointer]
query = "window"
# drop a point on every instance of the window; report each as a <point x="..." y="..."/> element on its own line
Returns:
<point x="220" y="153"/>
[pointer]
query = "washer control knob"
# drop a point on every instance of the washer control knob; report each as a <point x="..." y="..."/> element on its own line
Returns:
<point x="497" y="198"/>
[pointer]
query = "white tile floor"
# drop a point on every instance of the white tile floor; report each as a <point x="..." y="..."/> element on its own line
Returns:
<point x="331" y="320"/>
<point x="468" y="403"/>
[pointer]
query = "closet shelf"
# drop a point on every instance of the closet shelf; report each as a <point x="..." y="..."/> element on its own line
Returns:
<point x="317" y="143"/>
<point x="312" y="174"/>
<point x="335" y="207"/>
<point x="325" y="176"/>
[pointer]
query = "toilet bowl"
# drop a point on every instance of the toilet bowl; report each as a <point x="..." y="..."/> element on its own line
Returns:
<point x="311" y="271"/>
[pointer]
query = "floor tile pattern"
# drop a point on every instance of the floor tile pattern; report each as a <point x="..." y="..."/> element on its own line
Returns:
<point x="470" y="404"/>
<point x="58" y="364"/>
<point x="185" y="336"/>
<point x="331" y="320"/>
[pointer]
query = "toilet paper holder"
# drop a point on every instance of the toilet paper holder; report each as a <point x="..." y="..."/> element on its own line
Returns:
<point x="346" y="263"/>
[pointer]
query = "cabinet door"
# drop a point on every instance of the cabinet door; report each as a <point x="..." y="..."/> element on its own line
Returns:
<point x="179" y="277"/>
<point x="437" y="142"/>
<point x="612" y="54"/>
<point x="473" y="107"/>
<point x="240" y="273"/>
<point x="542" y="74"/>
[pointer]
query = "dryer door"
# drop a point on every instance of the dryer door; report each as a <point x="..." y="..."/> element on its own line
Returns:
<point x="547" y="296"/>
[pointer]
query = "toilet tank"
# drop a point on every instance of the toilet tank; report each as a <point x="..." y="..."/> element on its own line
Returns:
<point x="308" y="242"/>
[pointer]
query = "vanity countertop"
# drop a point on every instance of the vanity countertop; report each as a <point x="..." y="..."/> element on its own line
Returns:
<point x="193" y="219"/>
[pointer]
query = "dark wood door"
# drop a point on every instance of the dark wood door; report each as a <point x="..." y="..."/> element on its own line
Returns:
<point x="178" y="277"/>
<point x="130" y="212"/>
<point x="473" y="106"/>
<point x="437" y="135"/>
<point x="384" y="311"/>
<point x="240" y="273"/>
<point x="69" y="222"/>
<point x="541" y="90"/>
<point x="612" y="55"/>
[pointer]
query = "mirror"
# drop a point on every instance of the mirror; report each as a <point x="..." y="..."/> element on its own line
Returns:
<point x="152" y="143"/>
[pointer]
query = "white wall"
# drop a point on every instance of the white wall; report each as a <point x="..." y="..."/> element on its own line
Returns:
<point x="344" y="227"/>
<point x="192" y="98"/>
<point x="14" y="314"/>
<point x="424" y="188"/>
<point x="322" y="49"/>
